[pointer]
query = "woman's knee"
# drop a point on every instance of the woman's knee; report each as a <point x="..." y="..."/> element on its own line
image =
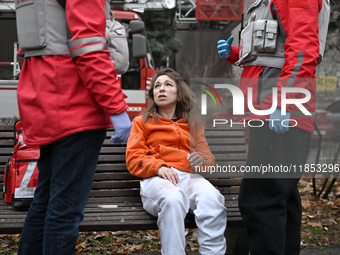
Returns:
<point x="211" y="204"/>
<point x="175" y="200"/>
<point x="211" y="197"/>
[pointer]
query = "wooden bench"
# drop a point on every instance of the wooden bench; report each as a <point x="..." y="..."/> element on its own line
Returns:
<point x="114" y="185"/>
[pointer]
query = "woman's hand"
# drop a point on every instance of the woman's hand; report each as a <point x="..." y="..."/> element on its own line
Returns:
<point x="168" y="174"/>
<point x="195" y="159"/>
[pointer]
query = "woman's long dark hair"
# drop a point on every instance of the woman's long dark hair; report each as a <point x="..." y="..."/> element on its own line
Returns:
<point x="186" y="107"/>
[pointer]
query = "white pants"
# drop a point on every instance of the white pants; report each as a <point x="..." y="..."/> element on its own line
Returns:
<point x="170" y="203"/>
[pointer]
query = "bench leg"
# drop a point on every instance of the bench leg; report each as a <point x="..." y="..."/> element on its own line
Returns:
<point x="237" y="243"/>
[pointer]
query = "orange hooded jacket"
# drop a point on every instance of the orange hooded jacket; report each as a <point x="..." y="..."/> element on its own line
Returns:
<point x="164" y="142"/>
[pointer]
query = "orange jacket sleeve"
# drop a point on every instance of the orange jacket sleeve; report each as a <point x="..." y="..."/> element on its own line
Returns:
<point x="86" y="19"/>
<point x="140" y="160"/>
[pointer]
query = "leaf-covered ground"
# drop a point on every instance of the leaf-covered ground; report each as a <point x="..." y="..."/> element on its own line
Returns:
<point x="320" y="226"/>
<point x="320" y="218"/>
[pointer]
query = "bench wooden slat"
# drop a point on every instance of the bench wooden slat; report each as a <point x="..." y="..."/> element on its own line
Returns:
<point x="6" y="128"/>
<point x="4" y="159"/>
<point x="92" y="212"/>
<point x="108" y="143"/>
<point x="226" y="182"/>
<point x="6" y="135"/>
<point x="6" y="143"/>
<point x="107" y="167"/>
<point x="114" y="193"/>
<point x="119" y="206"/>
<point x="111" y="158"/>
<point x="210" y="127"/>
<point x="6" y="151"/>
<point x="115" y="176"/>
<point x="135" y="184"/>
<point x="135" y="192"/>
<point x="234" y="163"/>
<point x="112" y="150"/>
<point x="115" y="185"/>
<point x="224" y="141"/>
<point x="223" y="134"/>
<point x="228" y="149"/>
<point x="220" y="157"/>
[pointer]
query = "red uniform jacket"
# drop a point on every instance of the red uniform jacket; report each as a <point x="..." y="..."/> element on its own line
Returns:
<point x="300" y="23"/>
<point x="58" y="95"/>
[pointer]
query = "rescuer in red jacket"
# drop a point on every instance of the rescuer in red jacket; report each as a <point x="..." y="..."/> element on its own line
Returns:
<point x="279" y="50"/>
<point x="67" y="98"/>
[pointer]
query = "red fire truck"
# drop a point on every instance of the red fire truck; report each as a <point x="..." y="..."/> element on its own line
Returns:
<point x="135" y="82"/>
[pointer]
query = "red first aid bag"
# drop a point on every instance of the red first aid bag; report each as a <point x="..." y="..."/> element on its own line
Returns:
<point x="21" y="172"/>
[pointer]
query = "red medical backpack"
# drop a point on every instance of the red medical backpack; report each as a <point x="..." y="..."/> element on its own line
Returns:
<point x="21" y="172"/>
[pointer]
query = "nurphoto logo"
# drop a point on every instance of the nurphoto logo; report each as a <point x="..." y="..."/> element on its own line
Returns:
<point x="204" y="97"/>
<point x="238" y="101"/>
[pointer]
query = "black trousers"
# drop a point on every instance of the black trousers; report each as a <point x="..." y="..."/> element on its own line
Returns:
<point x="271" y="206"/>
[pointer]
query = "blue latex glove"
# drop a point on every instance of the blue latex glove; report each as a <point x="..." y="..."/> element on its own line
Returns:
<point x="224" y="47"/>
<point x="122" y="125"/>
<point x="277" y="118"/>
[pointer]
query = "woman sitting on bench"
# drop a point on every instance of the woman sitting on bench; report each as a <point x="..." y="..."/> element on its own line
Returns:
<point x="166" y="145"/>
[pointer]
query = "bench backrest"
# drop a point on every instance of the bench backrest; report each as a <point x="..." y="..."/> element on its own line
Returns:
<point x="113" y="180"/>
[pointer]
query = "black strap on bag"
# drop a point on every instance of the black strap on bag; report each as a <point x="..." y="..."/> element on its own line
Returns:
<point x="15" y="140"/>
<point x="6" y="179"/>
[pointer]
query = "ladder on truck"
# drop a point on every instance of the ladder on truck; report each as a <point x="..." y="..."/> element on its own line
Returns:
<point x="15" y="63"/>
